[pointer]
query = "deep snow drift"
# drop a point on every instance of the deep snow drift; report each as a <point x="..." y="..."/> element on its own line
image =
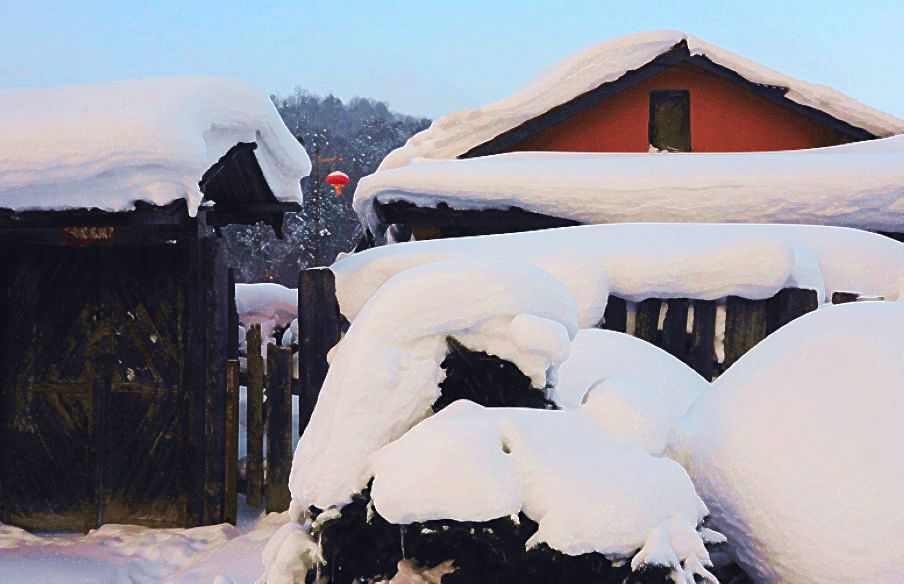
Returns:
<point x="855" y="185"/>
<point x="798" y="449"/>
<point x="385" y="373"/>
<point x="651" y="260"/>
<point x="108" y="145"/>
<point x="601" y="63"/>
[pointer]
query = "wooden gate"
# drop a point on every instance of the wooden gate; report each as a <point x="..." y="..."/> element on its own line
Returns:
<point x="95" y="421"/>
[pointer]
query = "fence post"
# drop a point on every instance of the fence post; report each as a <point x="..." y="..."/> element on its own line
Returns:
<point x="674" y="328"/>
<point x="787" y="305"/>
<point x="745" y="326"/>
<point x="279" y="427"/>
<point x="703" y="355"/>
<point x="319" y="329"/>
<point x="232" y="440"/>
<point x="615" y="318"/>
<point x="646" y="323"/>
<point x="254" y="461"/>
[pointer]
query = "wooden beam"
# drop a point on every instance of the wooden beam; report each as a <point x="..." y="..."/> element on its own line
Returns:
<point x="232" y="441"/>
<point x="615" y="317"/>
<point x="788" y="304"/>
<point x="703" y="354"/>
<point x="279" y="427"/>
<point x="646" y="320"/>
<point x="319" y="329"/>
<point x="674" y="338"/>
<point x="254" y="461"/>
<point x="745" y="326"/>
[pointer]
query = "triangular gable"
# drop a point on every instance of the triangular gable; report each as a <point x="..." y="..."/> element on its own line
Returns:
<point x="674" y="56"/>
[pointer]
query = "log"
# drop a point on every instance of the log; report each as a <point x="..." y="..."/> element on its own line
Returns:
<point x="745" y="326"/>
<point x="844" y="297"/>
<point x="674" y="328"/>
<point x="254" y="461"/>
<point x="788" y="304"/>
<point x="319" y="329"/>
<point x="216" y="282"/>
<point x="646" y="323"/>
<point x="279" y="428"/>
<point x="615" y="318"/>
<point x="703" y="333"/>
<point x="232" y="440"/>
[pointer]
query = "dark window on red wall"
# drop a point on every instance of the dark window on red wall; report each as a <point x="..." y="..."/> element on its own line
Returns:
<point x="670" y="120"/>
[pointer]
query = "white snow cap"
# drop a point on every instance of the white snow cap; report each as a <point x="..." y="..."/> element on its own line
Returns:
<point x="587" y="492"/>
<point x="108" y="145"/>
<point x="602" y="63"/>
<point x="853" y="185"/>
<point x="385" y="373"/>
<point x="798" y="448"/>
<point x="657" y="260"/>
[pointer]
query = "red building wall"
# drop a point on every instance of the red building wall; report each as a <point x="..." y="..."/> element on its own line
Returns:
<point x="724" y="118"/>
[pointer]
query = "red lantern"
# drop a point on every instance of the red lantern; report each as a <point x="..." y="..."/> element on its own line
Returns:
<point x="337" y="180"/>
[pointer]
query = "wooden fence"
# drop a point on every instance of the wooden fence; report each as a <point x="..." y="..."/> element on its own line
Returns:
<point x="688" y="329"/>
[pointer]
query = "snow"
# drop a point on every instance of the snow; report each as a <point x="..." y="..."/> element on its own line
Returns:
<point x="109" y="145"/>
<point x="855" y="185"/>
<point x="588" y="494"/>
<point x="638" y="261"/>
<point x="270" y="305"/>
<point x="602" y="63"/>
<point x="127" y="553"/>
<point x="798" y="449"/>
<point x="385" y="373"/>
<point x="602" y="354"/>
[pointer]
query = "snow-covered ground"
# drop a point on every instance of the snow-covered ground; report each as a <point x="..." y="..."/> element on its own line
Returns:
<point x="117" y="554"/>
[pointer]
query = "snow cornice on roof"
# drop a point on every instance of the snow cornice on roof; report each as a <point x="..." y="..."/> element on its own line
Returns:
<point x="601" y="68"/>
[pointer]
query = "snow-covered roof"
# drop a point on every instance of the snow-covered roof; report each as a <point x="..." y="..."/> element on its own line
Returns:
<point x="109" y="145"/>
<point x="605" y="62"/>
<point x="855" y="185"/>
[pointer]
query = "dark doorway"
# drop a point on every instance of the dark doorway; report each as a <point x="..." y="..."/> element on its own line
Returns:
<point x="95" y="419"/>
<point x="670" y="120"/>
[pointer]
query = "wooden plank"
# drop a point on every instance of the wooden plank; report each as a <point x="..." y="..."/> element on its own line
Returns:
<point x="193" y="374"/>
<point x="674" y="328"/>
<point x="788" y="304"/>
<point x="615" y="318"/>
<point x="319" y="329"/>
<point x="745" y="326"/>
<point x="703" y="355"/>
<point x="217" y="323"/>
<point x="844" y="297"/>
<point x="232" y="440"/>
<point x="646" y="322"/>
<point x="232" y="349"/>
<point x="254" y="462"/>
<point x="279" y="427"/>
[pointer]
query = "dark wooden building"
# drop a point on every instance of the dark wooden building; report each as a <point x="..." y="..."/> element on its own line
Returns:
<point x="116" y="328"/>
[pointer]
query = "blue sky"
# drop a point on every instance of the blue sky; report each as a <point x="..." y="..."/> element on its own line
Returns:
<point x="428" y="57"/>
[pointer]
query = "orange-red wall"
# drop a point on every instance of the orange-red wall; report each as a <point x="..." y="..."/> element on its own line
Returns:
<point x="724" y="118"/>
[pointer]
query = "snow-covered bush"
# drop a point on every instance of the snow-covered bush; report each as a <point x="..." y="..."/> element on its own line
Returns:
<point x="798" y="449"/>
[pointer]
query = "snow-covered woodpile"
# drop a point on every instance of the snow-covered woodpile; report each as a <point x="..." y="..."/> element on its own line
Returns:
<point x="612" y="474"/>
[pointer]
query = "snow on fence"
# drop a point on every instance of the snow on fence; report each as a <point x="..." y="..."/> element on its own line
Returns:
<point x="708" y="335"/>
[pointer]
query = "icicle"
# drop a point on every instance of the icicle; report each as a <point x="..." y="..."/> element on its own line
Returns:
<point x="402" y="539"/>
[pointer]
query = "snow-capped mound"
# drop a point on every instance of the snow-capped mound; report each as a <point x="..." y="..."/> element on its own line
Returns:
<point x="798" y="449"/>
<point x="385" y="373"/>
<point x="602" y="63"/>
<point x="855" y="185"/>
<point x="598" y="354"/>
<point x="587" y="493"/>
<point x="108" y="145"/>
<point x="657" y="260"/>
